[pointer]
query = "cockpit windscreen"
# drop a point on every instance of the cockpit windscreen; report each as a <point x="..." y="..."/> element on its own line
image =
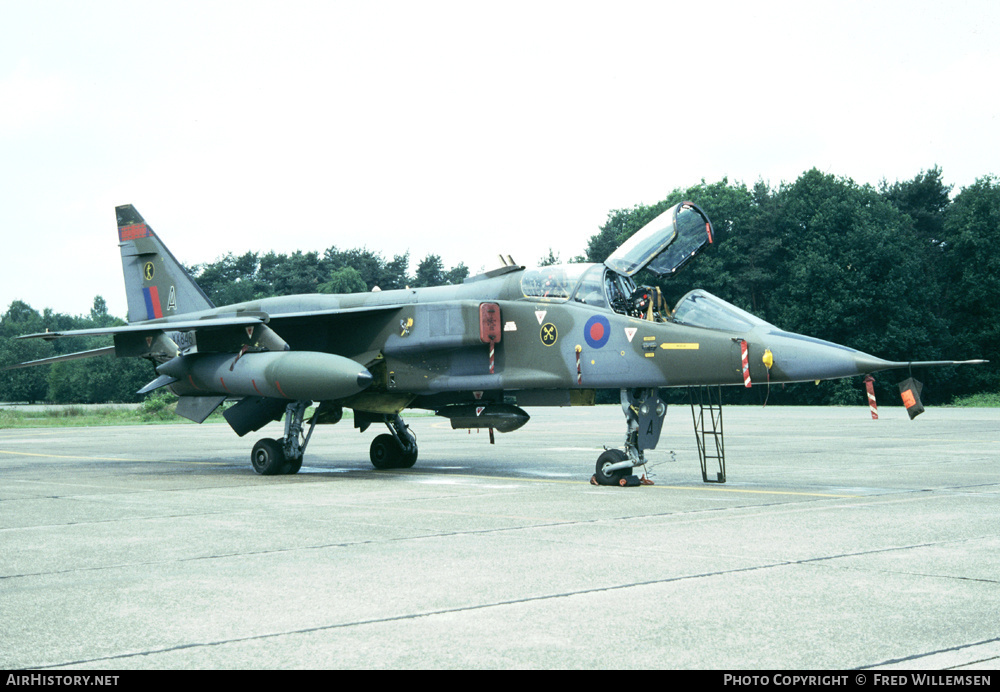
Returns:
<point x="701" y="309"/>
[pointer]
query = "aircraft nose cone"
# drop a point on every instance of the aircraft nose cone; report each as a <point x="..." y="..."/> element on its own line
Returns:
<point x="801" y="358"/>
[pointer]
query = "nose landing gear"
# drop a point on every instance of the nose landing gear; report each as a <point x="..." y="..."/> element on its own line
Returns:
<point x="644" y="414"/>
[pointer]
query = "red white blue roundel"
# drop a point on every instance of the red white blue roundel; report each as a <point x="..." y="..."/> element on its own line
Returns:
<point x="597" y="331"/>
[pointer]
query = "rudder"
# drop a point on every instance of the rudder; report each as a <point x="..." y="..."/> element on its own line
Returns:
<point x="156" y="284"/>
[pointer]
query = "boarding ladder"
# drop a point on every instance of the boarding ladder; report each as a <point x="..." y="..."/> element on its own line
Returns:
<point x="706" y="412"/>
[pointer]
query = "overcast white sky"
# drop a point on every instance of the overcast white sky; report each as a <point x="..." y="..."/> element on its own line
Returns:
<point x="459" y="128"/>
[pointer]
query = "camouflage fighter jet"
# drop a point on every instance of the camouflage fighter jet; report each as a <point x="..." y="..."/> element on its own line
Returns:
<point x="475" y="353"/>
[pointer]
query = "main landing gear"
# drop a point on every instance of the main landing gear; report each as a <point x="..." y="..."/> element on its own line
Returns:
<point x="644" y="414"/>
<point x="276" y="457"/>
<point x="396" y="450"/>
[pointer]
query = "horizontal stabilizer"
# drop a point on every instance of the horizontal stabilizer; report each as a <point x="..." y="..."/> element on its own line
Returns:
<point x="67" y="356"/>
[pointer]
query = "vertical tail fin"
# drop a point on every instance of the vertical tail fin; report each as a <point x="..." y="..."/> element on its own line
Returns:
<point x="155" y="282"/>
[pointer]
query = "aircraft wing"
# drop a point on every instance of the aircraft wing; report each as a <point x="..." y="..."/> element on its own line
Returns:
<point x="156" y="326"/>
<point x="216" y="333"/>
<point x="220" y="322"/>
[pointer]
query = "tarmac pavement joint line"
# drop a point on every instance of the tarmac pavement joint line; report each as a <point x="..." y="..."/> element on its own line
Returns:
<point x="504" y="603"/>
<point x="928" y="654"/>
<point x="544" y="523"/>
<point x="414" y="616"/>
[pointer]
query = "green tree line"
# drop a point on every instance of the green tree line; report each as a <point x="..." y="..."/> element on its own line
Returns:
<point x="251" y="276"/>
<point x="90" y="381"/>
<point x="905" y="271"/>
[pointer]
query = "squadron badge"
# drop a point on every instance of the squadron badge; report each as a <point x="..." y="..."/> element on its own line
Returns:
<point x="549" y="334"/>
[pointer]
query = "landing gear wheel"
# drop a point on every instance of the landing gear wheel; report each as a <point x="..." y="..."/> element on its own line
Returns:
<point x="293" y="465"/>
<point x="406" y="461"/>
<point x="268" y="458"/>
<point x="385" y="452"/>
<point x="612" y="456"/>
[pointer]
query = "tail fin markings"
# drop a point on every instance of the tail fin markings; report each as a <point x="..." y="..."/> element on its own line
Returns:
<point x="156" y="284"/>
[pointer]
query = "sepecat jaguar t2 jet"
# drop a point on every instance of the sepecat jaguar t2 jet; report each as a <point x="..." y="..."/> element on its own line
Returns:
<point x="475" y="353"/>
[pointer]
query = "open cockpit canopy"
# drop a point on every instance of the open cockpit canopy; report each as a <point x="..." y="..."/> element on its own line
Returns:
<point x="665" y="244"/>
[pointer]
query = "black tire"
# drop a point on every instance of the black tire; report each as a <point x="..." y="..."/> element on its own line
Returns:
<point x="268" y="457"/>
<point x="612" y="456"/>
<point x="406" y="461"/>
<point x="385" y="452"/>
<point x="292" y="466"/>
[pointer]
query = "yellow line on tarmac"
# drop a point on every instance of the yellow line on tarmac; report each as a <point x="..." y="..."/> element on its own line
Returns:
<point x="752" y="492"/>
<point x="85" y="458"/>
<point x="63" y="456"/>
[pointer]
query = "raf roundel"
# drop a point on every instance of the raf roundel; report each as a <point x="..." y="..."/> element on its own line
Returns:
<point x="597" y="331"/>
